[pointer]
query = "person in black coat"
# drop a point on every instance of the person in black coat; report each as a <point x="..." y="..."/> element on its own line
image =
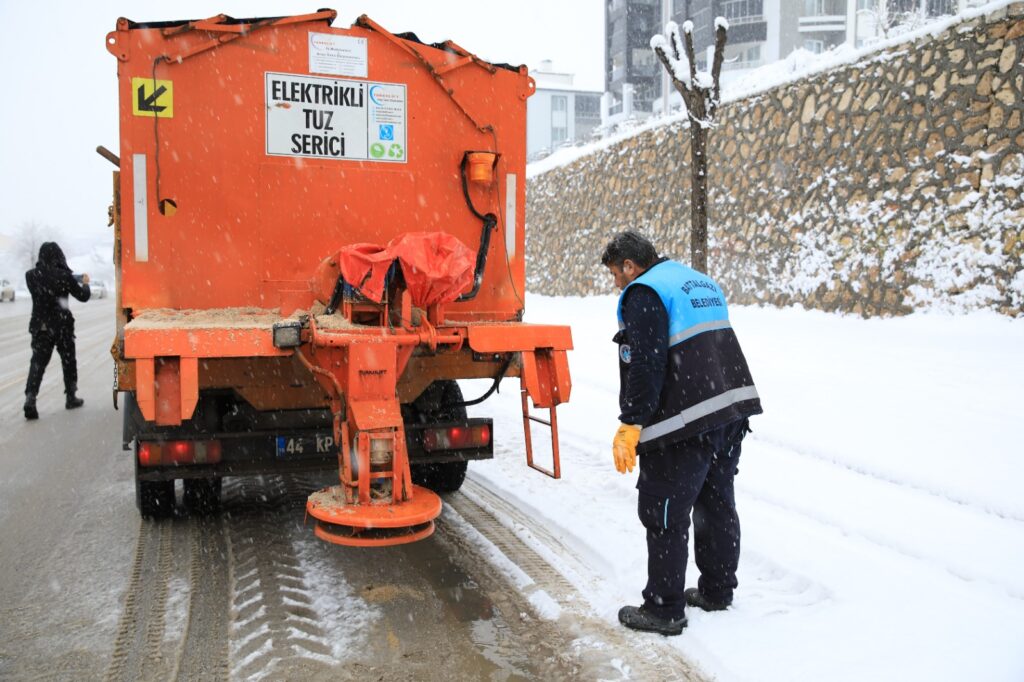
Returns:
<point x="50" y="282"/>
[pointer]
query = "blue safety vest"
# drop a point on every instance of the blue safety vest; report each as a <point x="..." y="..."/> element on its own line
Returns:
<point x="707" y="383"/>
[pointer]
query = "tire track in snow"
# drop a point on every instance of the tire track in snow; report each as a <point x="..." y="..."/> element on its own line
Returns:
<point x="139" y="647"/>
<point x="952" y="498"/>
<point x="871" y="538"/>
<point x="204" y="645"/>
<point x="275" y="625"/>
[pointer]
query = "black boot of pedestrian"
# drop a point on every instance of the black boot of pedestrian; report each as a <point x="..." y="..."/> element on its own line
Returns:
<point x="71" y="402"/>
<point x="637" y="618"/>
<point x="695" y="598"/>
<point x="30" y="407"/>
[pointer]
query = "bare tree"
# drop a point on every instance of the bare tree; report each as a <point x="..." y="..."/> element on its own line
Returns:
<point x="892" y="17"/>
<point x="29" y="237"/>
<point x="701" y="92"/>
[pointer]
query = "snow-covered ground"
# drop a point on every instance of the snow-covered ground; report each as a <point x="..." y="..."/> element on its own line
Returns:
<point x="880" y="495"/>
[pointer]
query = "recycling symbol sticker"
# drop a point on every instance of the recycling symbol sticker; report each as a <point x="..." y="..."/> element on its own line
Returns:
<point x="395" y="151"/>
<point x="377" y="150"/>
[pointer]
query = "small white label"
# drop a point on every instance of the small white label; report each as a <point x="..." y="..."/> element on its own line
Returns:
<point x="333" y="118"/>
<point x="340" y="55"/>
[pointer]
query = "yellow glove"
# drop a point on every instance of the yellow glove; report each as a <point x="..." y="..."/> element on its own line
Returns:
<point x="624" y="447"/>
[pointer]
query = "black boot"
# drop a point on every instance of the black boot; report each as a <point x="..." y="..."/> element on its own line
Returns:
<point x="71" y="402"/>
<point x="695" y="598"/>
<point x="637" y="618"/>
<point x="30" y="407"/>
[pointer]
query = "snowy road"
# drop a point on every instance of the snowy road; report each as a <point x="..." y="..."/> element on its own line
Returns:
<point x="883" y="531"/>
<point x="88" y="591"/>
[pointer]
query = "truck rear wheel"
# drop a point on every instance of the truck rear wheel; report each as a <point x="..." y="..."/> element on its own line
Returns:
<point x="201" y="495"/>
<point x="439" y="403"/>
<point x="155" y="499"/>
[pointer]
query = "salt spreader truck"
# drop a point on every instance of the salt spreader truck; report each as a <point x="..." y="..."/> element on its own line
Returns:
<point x="317" y="232"/>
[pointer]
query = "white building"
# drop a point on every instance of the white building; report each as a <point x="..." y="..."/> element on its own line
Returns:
<point x="558" y="113"/>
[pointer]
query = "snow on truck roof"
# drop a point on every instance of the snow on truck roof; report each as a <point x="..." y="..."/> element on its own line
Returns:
<point x="445" y="46"/>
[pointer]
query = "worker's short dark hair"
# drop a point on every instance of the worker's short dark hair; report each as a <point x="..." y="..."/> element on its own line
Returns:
<point x="629" y="245"/>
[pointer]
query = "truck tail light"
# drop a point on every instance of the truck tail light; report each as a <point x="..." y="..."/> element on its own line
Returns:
<point x="175" y="452"/>
<point x="457" y="437"/>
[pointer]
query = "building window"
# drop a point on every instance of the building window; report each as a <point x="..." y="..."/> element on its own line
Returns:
<point x="743" y="11"/>
<point x="865" y="5"/>
<point x="815" y="46"/>
<point x="588" y="108"/>
<point x="559" y="119"/>
<point x="754" y="54"/>
<point x="814" y="8"/>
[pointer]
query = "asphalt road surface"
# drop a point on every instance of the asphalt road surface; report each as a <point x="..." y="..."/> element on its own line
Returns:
<point x="88" y="591"/>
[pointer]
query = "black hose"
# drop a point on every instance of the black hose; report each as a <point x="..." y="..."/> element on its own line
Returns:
<point x="490" y="221"/>
<point x="491" y="390"/>
<point x="339" y="291"/>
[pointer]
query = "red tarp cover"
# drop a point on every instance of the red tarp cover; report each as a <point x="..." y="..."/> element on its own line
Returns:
<point x="437" y="267"/>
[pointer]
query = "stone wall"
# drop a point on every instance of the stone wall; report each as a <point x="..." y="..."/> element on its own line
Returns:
<point x="877" y="188"/>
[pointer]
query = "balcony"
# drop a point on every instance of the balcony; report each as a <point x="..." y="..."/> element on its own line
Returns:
<point x="739" y="12"/>
<point x="741" y="65"/>
<point x="822" y="23"/>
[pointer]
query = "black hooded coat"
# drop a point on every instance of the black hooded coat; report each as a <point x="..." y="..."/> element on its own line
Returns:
<point x="50" y="282"/>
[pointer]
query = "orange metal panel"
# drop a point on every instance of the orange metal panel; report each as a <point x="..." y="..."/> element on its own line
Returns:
<point x="367" y="415"/>
<point x="189" y="385"/>
<point x="546" y="377"/>
<point x="202" y="343"/>
<point x="145" y="387"/>
<point x="498" y="338"/>
<point x="250" y="228"/>
<point x="168" y="392"/>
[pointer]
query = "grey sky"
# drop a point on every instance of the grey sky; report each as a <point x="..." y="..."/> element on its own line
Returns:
<point x="60" y="82"/>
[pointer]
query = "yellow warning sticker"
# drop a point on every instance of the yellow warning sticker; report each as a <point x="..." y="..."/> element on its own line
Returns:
<point x="152" y="98"/>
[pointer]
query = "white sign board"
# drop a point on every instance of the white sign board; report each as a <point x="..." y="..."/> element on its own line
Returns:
<point x="340" y="55"/>
<point x="331" y="118"/>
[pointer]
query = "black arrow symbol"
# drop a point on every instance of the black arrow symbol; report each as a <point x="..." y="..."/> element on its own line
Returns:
<point x="149" y="103"/>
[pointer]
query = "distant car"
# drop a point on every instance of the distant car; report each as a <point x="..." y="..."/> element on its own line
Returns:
<point x="98" y="289"/>
<point x="6" y="291"/>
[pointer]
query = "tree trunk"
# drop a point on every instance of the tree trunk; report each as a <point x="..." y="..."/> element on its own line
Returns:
<point x="699" y="198"/>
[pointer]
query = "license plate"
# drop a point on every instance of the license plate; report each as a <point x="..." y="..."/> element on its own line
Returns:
<point x="304" y="446"/>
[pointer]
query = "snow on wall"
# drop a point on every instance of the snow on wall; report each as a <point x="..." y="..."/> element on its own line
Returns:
<point x="879" y="187"/>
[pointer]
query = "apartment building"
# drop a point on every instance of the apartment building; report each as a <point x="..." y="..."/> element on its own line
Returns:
<point x="760" y="32"/>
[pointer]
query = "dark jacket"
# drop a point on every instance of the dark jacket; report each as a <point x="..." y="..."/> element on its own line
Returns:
<point x="50" y="282"/>
<point x="682" y="371"/>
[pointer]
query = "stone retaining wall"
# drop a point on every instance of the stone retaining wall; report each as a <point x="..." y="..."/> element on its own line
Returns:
<point x="876" y="188"/>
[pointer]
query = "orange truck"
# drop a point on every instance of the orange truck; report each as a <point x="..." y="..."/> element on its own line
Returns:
<point x="318" y="231"/>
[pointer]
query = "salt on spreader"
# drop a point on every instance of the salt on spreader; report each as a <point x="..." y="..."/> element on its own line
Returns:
<point x="317" y="231"/>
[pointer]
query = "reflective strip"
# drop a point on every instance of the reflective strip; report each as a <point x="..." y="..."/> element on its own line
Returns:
<point x="141" y="207"/>
<point x="690" y="332"/>
<point x="664" y="523"/>
<point x="698" y="411"/>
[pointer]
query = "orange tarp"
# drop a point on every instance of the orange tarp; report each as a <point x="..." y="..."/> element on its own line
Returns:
<point x="437" y="267"/>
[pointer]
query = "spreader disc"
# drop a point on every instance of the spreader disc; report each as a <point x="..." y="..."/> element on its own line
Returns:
<point x="373" y="525"/>
<point x="372" y="537"/>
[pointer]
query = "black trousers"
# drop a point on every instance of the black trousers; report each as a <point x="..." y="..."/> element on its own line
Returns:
<point x="693" y="475"/>
<point x="43" y="343"/>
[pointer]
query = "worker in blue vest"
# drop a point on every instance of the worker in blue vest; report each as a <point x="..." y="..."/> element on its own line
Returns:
<point x="685" y="394"/>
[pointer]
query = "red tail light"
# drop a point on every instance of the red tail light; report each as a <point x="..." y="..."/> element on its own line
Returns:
<point x="457" y="437"/>
<point x="175" y="452"/>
